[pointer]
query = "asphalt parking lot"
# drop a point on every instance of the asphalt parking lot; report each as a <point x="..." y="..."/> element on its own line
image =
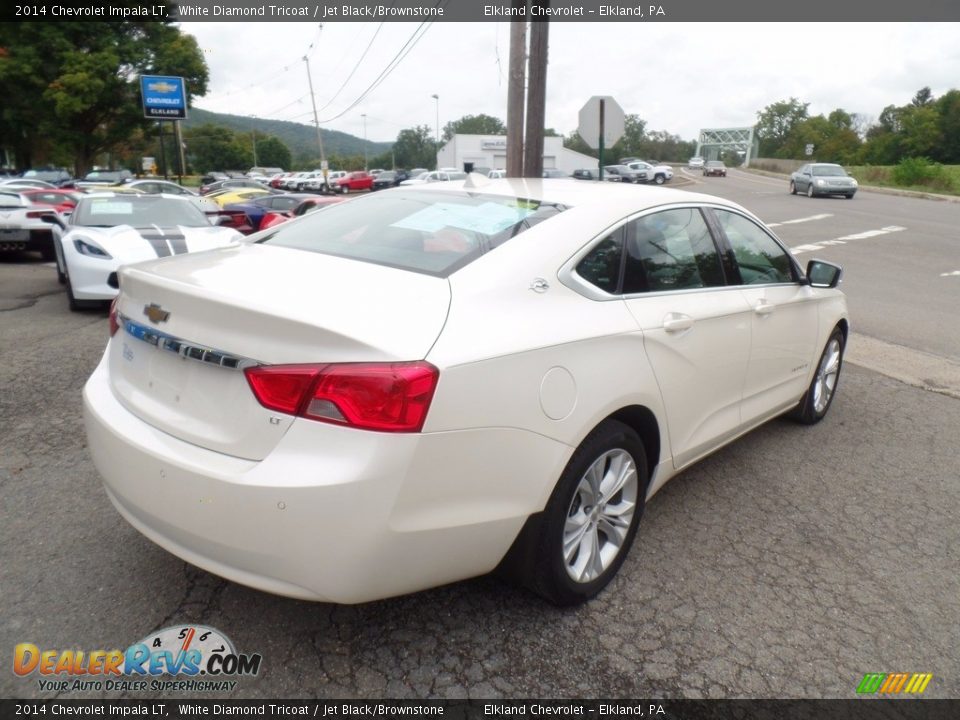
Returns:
<point x="788" y="564"/>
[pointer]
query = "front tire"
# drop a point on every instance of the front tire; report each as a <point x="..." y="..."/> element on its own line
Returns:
<point x="61" y="265"/>
<point x="810" y="190"/>
<point x="344" y="189"/>
<point x="585" y="532"/>
<point x="78" y="305"/>
<point x="660" y="179"/>
<point x="793" y="188"/>
<point x="816" y="401"/>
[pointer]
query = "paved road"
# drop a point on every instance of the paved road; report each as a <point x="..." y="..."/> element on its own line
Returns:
<point x="898" y="254"/>
<point x="787" y="565"/>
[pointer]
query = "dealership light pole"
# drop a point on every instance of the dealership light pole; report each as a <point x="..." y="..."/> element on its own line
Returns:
<point x="364" y="116"/>
<point x="316" y="120"/>
<point x="253" y="134"/>
<point x="436" y="97"/>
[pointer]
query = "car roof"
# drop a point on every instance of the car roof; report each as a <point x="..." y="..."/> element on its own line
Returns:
<point x="609" y="198"/>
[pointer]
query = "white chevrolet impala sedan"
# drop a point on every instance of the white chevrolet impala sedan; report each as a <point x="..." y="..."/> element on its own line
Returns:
<point x="428" y="383"/>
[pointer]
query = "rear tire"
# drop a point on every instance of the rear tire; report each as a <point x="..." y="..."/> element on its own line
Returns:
<point x="793" y="188"/>
<point x="815" y="403"/>
<point x="572" y="550"/>
<point x="344" y="189"/>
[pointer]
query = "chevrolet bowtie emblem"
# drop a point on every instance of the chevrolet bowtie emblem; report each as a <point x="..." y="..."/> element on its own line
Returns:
<point x="156" y="313"/>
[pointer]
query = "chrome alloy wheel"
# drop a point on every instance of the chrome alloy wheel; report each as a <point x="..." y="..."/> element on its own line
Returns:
<point x="827" y="374"/>
<point x="600" y="515"/>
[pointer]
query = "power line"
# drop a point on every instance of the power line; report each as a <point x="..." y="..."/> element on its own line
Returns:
<point x="355" y="68"/>
<point x="391" y="66"/>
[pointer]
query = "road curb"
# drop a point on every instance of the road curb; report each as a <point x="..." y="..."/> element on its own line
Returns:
<point x="913" y="367"/>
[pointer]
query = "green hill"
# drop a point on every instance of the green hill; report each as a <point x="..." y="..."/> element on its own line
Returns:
<point x="300" y="138"/>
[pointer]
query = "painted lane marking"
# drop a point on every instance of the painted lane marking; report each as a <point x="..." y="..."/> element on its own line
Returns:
<point x="872" y="233"/>
<point x="796" y="250"/>
<point x="955" y="273"/>
<point x="801" y="220"/>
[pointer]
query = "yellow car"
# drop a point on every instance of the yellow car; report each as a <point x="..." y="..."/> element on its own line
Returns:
<point x="237" y="195"/>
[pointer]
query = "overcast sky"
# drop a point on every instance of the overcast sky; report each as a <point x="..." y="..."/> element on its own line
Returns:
<point x="679" y="77"/>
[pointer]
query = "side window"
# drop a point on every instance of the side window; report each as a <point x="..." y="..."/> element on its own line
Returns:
<point x="670" y="250"/>
<point x="760" y="259"/>
<point x="602" y="266"/>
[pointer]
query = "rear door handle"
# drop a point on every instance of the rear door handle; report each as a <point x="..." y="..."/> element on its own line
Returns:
<point x="764" y="308"/>
<point x="675" y="322"/>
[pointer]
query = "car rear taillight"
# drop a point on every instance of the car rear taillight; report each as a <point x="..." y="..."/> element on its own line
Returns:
<point x="388" y="397"/>
<point x="114" y="322"/>
<point x="37" y="214"/>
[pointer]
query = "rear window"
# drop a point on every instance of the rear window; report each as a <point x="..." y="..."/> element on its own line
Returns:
<point x="426" y="232"/>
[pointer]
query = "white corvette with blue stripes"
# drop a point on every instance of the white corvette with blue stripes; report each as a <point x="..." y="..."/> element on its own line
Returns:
<point x="108" y="230"/>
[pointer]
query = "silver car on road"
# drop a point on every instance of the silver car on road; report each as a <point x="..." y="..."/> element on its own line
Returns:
<point x="823" y="179"/>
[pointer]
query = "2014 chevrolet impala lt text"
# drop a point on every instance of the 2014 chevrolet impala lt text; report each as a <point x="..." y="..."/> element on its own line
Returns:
<point x="424" y="384"/>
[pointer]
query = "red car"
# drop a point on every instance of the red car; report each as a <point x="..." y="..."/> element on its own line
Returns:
<point x="352" y="182"/>
<point x="63" y="201"/>
<point x="275" y="218"/>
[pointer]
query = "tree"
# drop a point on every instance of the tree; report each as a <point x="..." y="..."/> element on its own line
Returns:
<point x="271" y="152"/>
<point x="833" y="138"/>
<point x="212" y="147"/>
<point x="948" y="108"/>
<point x="921" y="131"/>
<point x="415" y="148"/>
<point x="72" y="88"/>
<point x="474" y="125"/>
<point x="922" y="98"/>
<point x="574" y="142"/>
<point x="631" y="143"/>
<point x="775" y="122"/>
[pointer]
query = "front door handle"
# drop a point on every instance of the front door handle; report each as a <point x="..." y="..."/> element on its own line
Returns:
<point x="764" y="308"/>
<point x="675" y="322"/>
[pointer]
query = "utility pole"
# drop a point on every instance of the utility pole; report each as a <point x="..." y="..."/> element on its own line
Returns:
<point x="536" y="98"/>
<point x="316" y="121"/>
<point x="515" y="94"/>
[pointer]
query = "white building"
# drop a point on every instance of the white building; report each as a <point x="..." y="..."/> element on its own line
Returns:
<point x="490" y="151"/>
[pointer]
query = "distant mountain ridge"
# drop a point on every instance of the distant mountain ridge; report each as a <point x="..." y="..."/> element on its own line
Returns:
<point x="300" y="138"/>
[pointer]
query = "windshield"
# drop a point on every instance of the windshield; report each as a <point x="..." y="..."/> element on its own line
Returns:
<point x="431" y="233"/>
<point x="829" y="170"/>
<point x="138" y="211"/>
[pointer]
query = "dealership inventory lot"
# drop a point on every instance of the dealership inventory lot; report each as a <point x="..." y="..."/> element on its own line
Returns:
<point x="788" y="564"/>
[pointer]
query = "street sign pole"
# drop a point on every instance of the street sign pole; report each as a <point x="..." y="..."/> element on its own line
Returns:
<point x="601" y="125"/>
<point x="603" y="104"/>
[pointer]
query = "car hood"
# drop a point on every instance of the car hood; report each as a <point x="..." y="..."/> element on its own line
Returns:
<point x="129" y="244"/>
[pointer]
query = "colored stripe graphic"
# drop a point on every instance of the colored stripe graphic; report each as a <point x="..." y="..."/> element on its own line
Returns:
<point x="894" y="683"/>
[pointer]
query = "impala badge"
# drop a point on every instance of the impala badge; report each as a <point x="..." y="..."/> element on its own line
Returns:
<point x="156" y="313"/>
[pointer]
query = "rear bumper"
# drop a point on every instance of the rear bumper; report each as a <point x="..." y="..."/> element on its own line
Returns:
<point x="39" y="240"/>
<point x="331" y="513"/>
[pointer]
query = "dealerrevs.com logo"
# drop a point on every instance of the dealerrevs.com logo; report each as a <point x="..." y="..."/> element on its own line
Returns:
<point x="185" y="658"/>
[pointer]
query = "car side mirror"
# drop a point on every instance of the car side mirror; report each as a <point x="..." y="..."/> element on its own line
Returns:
<point x="53" y="219"/>
<point x="822" y="274"/>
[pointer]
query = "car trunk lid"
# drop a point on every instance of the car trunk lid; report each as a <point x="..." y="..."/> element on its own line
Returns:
<point x="190" y="325"/>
